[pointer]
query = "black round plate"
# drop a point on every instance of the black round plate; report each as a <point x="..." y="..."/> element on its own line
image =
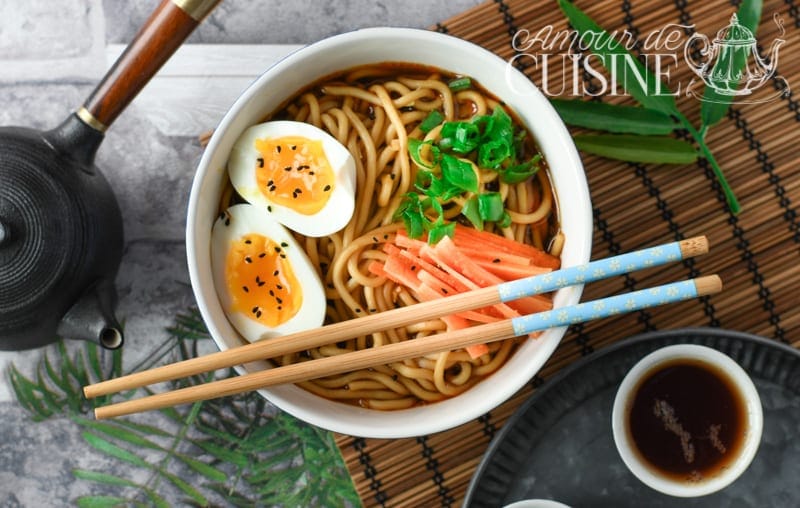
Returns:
<point x="558" y="445"/>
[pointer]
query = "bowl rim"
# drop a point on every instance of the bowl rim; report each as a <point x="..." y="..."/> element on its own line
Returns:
<point x="417" y="421"/>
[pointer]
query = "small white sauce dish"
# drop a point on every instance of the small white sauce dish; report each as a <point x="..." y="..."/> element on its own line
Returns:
<point x="737" y="379"/>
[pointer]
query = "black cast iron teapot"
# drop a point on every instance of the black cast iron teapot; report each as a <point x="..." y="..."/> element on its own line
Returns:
<point x="61" y="236"/>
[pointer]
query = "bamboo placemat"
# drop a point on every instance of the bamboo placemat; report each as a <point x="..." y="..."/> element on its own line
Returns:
<point x="756" y="252"/>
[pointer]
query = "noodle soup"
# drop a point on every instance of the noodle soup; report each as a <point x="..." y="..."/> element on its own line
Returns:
<point x="403" y="123"/>
<point x="272" y="92"/>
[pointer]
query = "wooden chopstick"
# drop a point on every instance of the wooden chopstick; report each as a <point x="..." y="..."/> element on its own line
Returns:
<point x="365" y="358"/>
<point x="330" y="334"/>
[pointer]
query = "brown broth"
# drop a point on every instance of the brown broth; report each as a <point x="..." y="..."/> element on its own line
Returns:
<point x="687" y="420"/>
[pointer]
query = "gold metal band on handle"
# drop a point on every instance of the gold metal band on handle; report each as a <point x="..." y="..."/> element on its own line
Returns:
<point x="197" y="9"/>
<point x="90" y="120"/>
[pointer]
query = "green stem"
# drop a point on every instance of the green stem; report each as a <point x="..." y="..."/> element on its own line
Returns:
<point x="733" y="203"/>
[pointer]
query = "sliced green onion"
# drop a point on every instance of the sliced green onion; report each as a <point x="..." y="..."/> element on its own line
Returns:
<point x="505" y="221"/>
<point x="490" y="206"/>
<point x="459" y="173"/>
<point x="418" y="148"/>
<point x="459" y="84"/>
<point x="470" y="211"/>
<point x="409" y="211"/>
<point x="520" y="172"/>
<point x="461" y="137"/>
<point x="492" y="153"/>
<point x="438" y="232"/>
<point x="433" y="119"/>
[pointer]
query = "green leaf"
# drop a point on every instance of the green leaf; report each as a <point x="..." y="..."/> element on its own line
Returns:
<point x="224" y="454"/>
<point x="634" y="77"/>
<point x="185" y="487"/>
<point x="101" y="502"/>
<point x="632" y="148"/>
<point x="109" y="448"/>
<point x="26" y="393"/>
<point x="715" y="105"/>
<point x="614" y="117"/>
<point x="115" y="431"/>
<point x="108" y="479"/>
<point x="204" y="469"/>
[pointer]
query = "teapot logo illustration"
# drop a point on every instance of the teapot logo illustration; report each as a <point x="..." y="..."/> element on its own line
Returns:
<point x="732" y="59"/>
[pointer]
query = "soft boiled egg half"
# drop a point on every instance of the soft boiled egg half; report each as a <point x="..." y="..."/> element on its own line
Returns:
<point x="297" y="172"/>
<point x="265" y="282"/>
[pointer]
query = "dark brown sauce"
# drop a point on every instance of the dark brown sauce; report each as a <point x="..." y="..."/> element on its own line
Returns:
<point x="687" y="420"/>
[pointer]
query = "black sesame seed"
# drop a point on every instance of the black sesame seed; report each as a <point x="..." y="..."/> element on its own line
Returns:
<point x="375" y="239"/>
<point x="279" y="307"/>
<point x="283" y="256"/>
<point x="298" y="190"/>
<point x="385" y="237"/>
<point x="302" y="167"/>
<point x="277" y="249"/>
<point x="271" y="293"/>
<point x="258" y="314"/>
<point x="278" y="148"/>
<point x="270" y="183"/>
<point x="311" y="173"/>
<point x="278" y="300"/>
<point x="413" y="267"/>
<point x="496" y="260"/>
<point x="260" y="162"/>
<point x="255" y="309"/>
<point x="248" y="259"/>
<point x="275" y="273"/>
<point x="284" y="244"/>
<point x="228" y="221"/>
<point x="293" y="147"/>
<point x="327" y="188"/>
<point x="358" y="311"/>
<point x="444" y="291"/>
<point x="262" y="254"/>
<point x="373" y="310"/>
<point x="278" y="286"/>
<point x="392" y="176"/>
<point x="244" y="288"/>
<point x="287" y="168"/>
<point x="269" y="208"/>
<point x="248" y="241"/>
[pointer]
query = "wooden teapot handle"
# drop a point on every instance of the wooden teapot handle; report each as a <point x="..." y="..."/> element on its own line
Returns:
<point x="166" y="29"/>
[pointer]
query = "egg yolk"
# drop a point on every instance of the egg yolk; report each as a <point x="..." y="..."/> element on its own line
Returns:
<point x="261" y="280"/>
<point x="294" y="172"/>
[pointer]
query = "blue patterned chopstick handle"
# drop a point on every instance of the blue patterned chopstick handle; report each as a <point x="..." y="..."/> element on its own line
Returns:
<point x="605" y="307"/>
<point x="590" y="272"/>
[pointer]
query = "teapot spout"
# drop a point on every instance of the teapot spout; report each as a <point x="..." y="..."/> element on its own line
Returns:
<point x="92" y="318"/>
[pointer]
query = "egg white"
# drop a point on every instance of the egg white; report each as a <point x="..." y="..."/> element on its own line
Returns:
<point x="243" y="219"/>
<point x="340" y="206"/>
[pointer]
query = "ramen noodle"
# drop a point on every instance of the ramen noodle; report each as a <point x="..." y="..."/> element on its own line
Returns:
<point x="374" y="111"/>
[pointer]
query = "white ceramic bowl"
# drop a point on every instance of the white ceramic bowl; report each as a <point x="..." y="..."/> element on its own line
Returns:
<point x="377" y="45"/>
<point x="626" y="448"/>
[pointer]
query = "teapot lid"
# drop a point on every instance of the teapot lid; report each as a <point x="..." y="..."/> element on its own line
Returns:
<point x="735" y="33"/>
